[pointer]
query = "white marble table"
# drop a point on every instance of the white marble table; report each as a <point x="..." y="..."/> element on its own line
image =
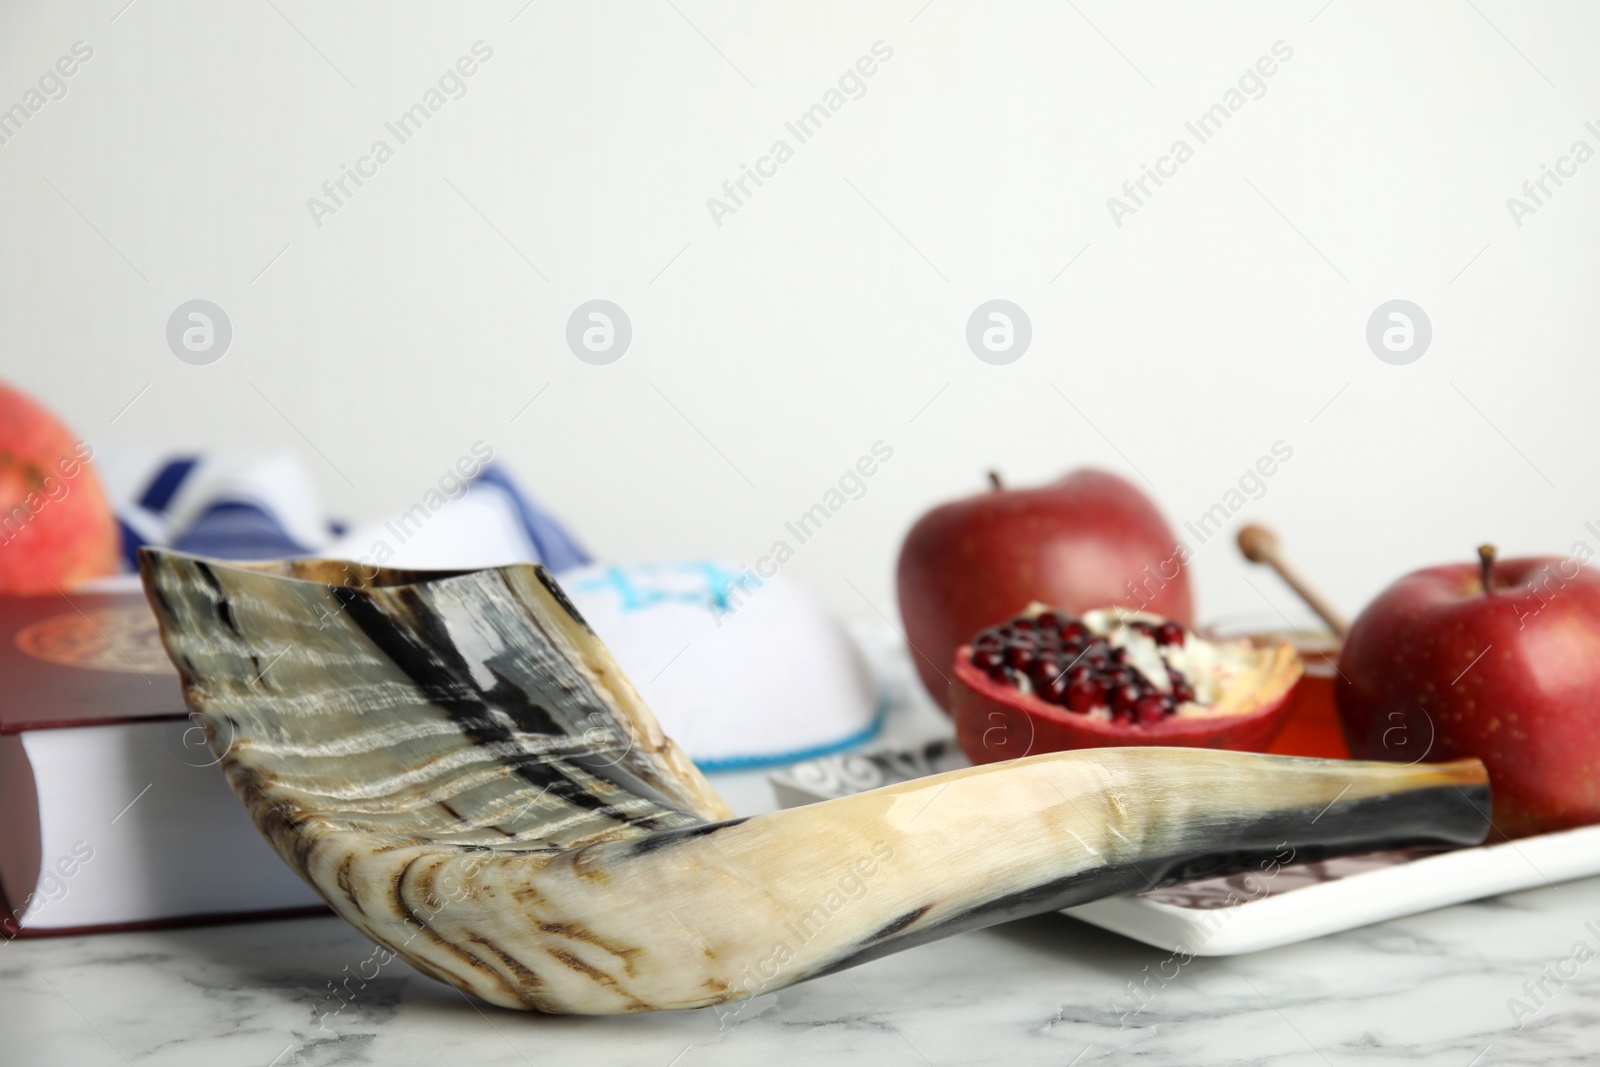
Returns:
<point x="1430" y="989"/>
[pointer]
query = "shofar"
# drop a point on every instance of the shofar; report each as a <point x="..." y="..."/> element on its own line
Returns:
<point x="456" y="763"/>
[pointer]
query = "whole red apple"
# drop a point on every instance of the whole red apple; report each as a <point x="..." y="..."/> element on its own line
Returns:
<point x="1089" y="540"/>
<point x="56" y="527"/>
<point x="1495" y="660"/>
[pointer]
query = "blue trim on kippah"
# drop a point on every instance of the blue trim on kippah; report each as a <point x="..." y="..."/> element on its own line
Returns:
<point x="745" y="763"/>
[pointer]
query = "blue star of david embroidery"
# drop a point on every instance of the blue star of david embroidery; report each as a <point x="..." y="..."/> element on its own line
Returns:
<point x="644" y="585"/>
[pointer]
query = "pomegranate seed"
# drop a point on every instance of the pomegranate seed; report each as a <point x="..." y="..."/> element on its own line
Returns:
<point x="1019" y="655"/>
<point x="1074" y="630"/>
<point x="1044" y="669"/>
<point x="1170" y="633"/>
<point x="1054" y="689"/>
<point x="1124" y="697"/>
<point x="986" y="658"/>
<point x="1082" y="695"/>
<point x="1150" y="710"/>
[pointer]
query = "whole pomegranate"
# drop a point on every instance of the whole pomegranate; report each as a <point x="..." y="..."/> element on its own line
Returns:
<point x="56" y="527"/>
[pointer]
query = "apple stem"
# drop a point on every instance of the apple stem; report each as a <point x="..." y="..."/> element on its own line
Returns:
<point x="1486" y="562"/>
<point x="994" y="481"/>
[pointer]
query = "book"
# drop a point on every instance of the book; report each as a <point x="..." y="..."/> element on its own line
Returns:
<point x="113" y="813"/>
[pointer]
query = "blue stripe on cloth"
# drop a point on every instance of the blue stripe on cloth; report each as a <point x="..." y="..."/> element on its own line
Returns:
<point x="131" y="543"/>
<point x="555" y="547"/>
<point x="237" y="529"/>
<point x="164" y="486"/>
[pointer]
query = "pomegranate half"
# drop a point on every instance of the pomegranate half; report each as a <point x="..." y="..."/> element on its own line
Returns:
<point x="1046" y="681"/>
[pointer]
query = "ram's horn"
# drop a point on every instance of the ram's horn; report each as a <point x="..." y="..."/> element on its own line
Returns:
<point x="455" y="762"/>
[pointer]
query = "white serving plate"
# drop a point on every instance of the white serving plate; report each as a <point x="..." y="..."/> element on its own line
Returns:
<point x="1300" y="902"/>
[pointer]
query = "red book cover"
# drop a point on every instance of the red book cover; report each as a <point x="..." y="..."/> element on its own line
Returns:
<point x="83" y="660"/>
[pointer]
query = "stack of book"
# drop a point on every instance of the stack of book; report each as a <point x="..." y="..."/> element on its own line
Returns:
<point x="113" y="813"/>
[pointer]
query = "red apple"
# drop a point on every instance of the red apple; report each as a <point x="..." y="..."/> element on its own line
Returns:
<point x="56" y="528"/>
<point x="1089" y="540"/>
<point x="1495" y="660"/>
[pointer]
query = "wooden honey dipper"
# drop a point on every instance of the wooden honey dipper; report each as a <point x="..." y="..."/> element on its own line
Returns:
<point x="1260" y="545"/>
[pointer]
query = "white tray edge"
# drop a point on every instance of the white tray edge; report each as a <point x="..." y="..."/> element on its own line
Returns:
<point x="1358" y="900"/>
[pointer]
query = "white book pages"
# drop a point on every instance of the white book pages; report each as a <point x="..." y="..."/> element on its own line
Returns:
<point x="137" y="825"/>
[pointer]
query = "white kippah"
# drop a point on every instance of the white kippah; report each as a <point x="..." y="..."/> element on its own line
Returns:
<point x="740" y="675"/>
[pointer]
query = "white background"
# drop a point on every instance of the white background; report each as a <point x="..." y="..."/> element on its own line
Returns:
<point x="828" y="312"/>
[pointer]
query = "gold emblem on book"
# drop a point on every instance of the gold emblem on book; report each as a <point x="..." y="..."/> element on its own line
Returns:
<point x="103" y="639"/>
